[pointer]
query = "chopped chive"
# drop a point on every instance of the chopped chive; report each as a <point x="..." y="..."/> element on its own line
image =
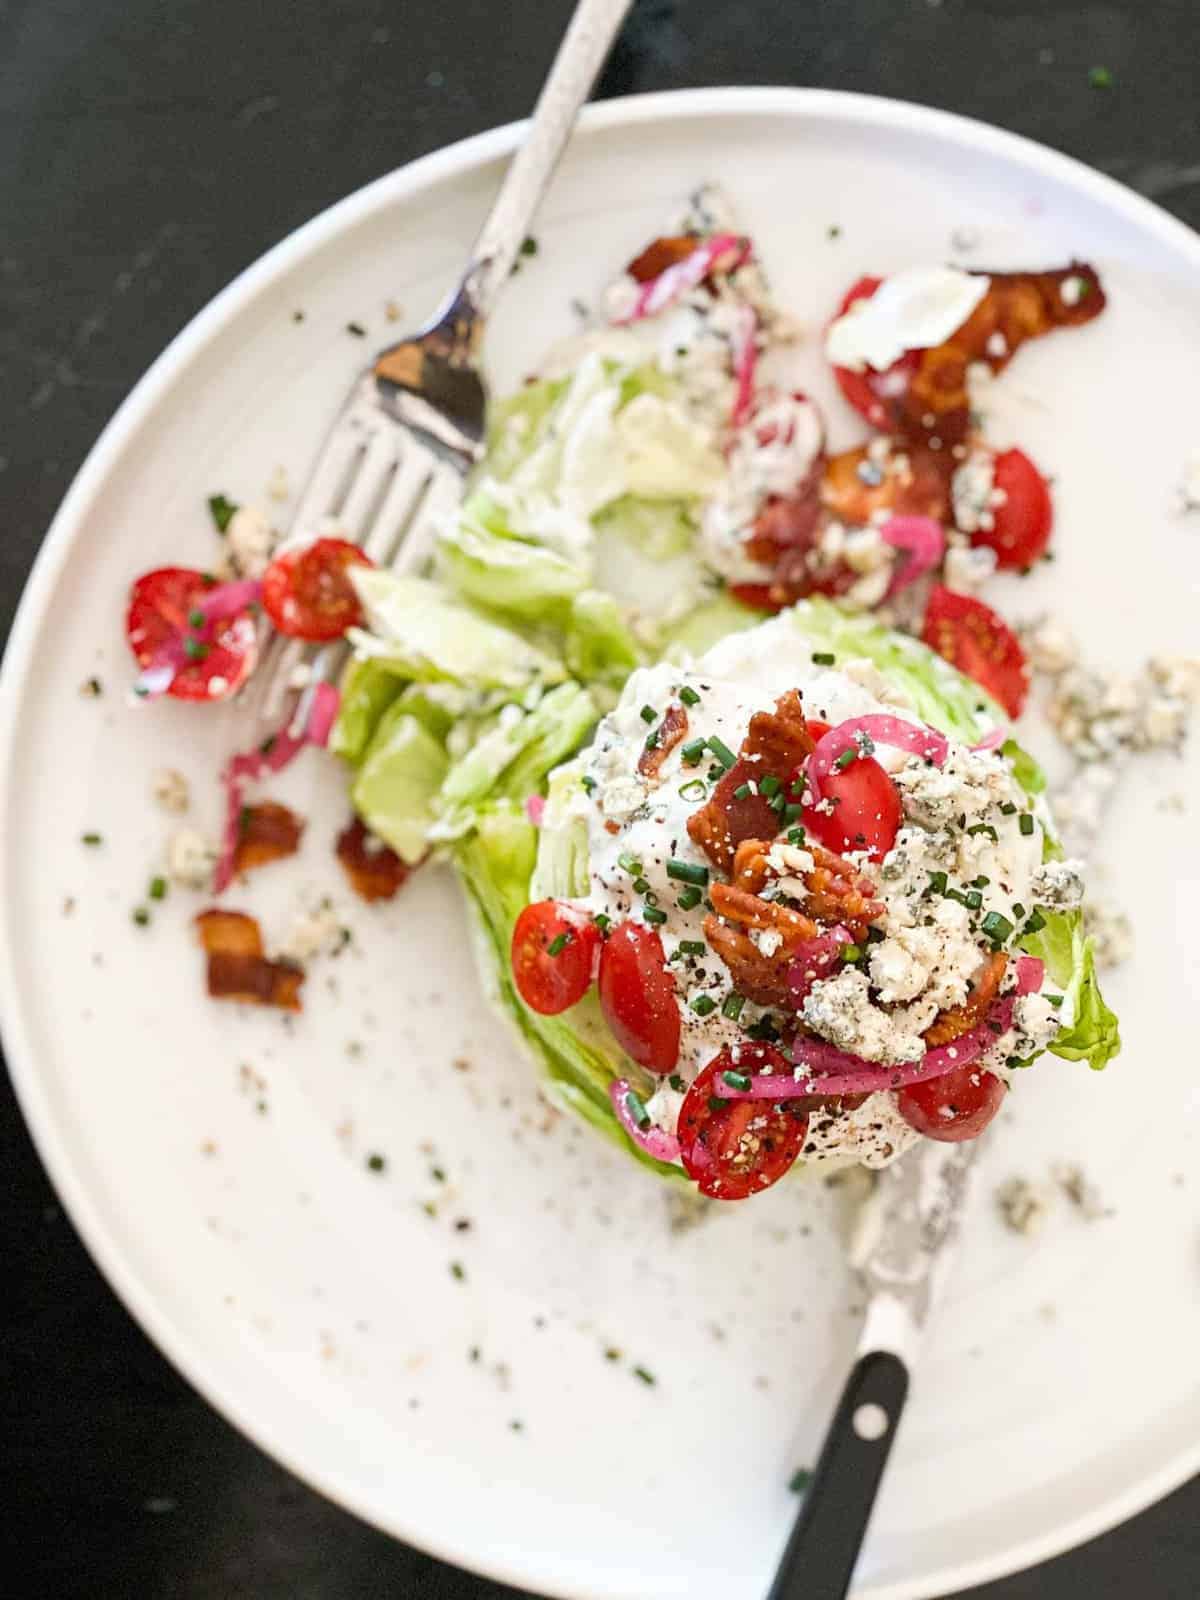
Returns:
<point x="221" y="510"/>
<point x="677" y="1083"/>
<point x="770" y="785"/>
<point x="875" y="935"/>
<point x="689" y="696"/>
<point x="196" y="618"/>
<point x="589" y="784"/>
<point x="650" y="897"/>
<point x="651" y="740"/>
<point x="937" y="882"/>
<point x="376" y="1163"/>
<point x="693" y="789"/>
<point x="1036" y="922"/>
<point x="559" y="943"/>
<point x="851" y="952"/>
<point x="733" y="1006"/>
<point x="973" y="900"/>
<point x="653" y="915"/>
<point x="637" y="1109"/>
<point x="1008" y="809"/>
<point x="715" y="1102"/>
<point x="689" y="898"/>
<point x="1025" y="823"/>
<point x="796" y="836"/>
<point x="777" y="803"/>
<point x="823" y="658"/>
<point x="764" y="1029"/>
<point x="647" y="1378"/>
<point x="629" y="862"/>
<point x="693" y="947"/>
<point x="648" y="714"/>
<point x="800" y="1480"/>
<point x="357" y="329"/>
<point x="703" y="1005"/>
<point x="687" y="871"/>
<point x="985" y="827"/>
<point x="91" y="838"/>
<point x="996" y="927"/>
<point x="458" y="1271"/>
<point x="742" y="792"/>
<point x="603" y="921"/>
<point x="195" y="649"/>
<point x="980" y="882"/>
<point x="157" y="889"/>
<point x="693" y="752"/>
<point x="791" y="811"/>
<point x="722" y="751"/>
<point x="641" y="886"/>
<point x="1018" y="909"/>
<point x="736" y="1080"/>
<point x="716" y="772"/>
<point x="846" y="758"/>
<point x="1056" y="999"/>
<point x="141" y="916"/>
<point x="1100" y="78"/>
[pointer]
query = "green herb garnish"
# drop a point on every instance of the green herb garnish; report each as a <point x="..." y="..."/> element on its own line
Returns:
<point x="703" y="1005"/>
<point x="222" y="511"/>
<point x="687" y="871"/>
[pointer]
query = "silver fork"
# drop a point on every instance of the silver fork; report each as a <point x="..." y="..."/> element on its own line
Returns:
<point x="393" y="466"/>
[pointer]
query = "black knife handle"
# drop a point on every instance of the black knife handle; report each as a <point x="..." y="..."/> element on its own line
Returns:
<point x="819" y="1560"/>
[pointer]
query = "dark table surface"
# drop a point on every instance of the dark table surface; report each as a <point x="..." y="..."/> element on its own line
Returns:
<point x="150" y="149"/>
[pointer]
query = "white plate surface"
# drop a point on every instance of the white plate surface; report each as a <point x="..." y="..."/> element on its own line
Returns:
<point x="312" y="1300"/>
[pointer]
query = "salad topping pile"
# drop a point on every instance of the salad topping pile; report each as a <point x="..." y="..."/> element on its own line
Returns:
<point x="709" y="720"/>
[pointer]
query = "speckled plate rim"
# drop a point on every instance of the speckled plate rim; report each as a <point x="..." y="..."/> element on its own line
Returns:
<point x="807" y="106"/>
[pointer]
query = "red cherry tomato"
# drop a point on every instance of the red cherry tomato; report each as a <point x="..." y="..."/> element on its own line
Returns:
<point x="1021" y="523"/>
<point x="637" y="996"/>
<point x="161" y="606"/>
<point x="553" y="957"/>
<point x="736" y="1148"/>
<point x="869" y="391"/>
<point x="867" y="812"/>
<point x="979" y="643"/>
<point x="307" y="592"/>
<point x="954" y="1107"/>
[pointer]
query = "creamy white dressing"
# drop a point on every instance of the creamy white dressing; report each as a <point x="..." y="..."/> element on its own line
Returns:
<point x="932" y="947"/>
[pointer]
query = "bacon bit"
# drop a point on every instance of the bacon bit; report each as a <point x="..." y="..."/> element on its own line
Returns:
<point x="266" y="832"/>
<point x="661" y="254"/>
<point x="915" y="482"/>
<point x="760" y="977"/>
<point x="237" y="966"/>
<point x="776" y="742"/>
<point x="375" y="871"/>
<point x="1018" y="306"/>
<point x="839" y="893"/>
<point x="952" y="1024"/>
<point x="671" y="730"/>
<point x="750" y="869"/>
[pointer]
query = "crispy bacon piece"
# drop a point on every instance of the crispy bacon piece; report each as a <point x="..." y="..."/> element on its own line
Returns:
<point x="785" y="530"/>
<point x="836" y="892"/>
<point x="950" y="1025"/>
<point x="1018" y="306"/>
<point x="913" y="481"/>
<point x="238" y="969"/>
<point x="266" y="832"/>
<point x="776" y="743"/>
<point x="374" y="869"/>
<point x="661" y="254"/>
<point x="670" y="731"/>
<point x="735" y="916"/>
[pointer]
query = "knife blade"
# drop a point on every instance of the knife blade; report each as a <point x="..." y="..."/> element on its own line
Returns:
<point x="902" y="1248"/>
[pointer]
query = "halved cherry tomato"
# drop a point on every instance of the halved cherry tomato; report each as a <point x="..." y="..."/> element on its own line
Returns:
<point x="307" y="592"/>
<point x="553" y="957"/>
<point x="1021" y="523"/>
<point x="979" y="643"/>
<point x="637" y="996"/>
<point x="736" y="1148"/>
<point x="867" y="812"/>
<point x="954" y="1107"/>
<point x="162" y="605"/>
<point x="869" y="391"/>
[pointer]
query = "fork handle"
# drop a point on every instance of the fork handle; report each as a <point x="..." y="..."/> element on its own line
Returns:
<point x="581" y="54"/>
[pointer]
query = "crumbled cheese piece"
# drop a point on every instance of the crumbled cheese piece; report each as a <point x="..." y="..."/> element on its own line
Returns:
<point x="1058" y="885"/>
<point x="997" y="346"/>
<point x="965" y="786"/>
<point x="1035" y="1022"/>
<point x="1049" y="647"/>
<point x="973" y="491"/>
<point x="968" y="567"/>
<point x="249" y="542"/>
<point x="865" y="673"/>
<point x="1023" y="1205"/>
<point x="1080" y="1191"/>
<point x="768" y="940"/>
<point x="1110" y="928"/>
<point x="170" y="790"/>
<point x="840" y="1010"/>
<point x="316" y="931"/>
<point x="190" y="859"/>
<point x="1073" y="290"/>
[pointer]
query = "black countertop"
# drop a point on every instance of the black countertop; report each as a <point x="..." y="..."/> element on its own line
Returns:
<point x="150" y="150"/>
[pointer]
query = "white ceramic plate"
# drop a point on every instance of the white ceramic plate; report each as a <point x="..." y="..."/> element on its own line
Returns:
<point x="312" y="1300"/>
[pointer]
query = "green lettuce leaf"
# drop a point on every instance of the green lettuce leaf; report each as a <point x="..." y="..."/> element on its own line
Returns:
<point x="512" y="759"/>
<point x="704" y="625"/>
<point x="1090" y="1030"/>
<point x="398" y="780"/>
<point x="419" y="631"/>
<point x="368" y="689"/>
<point x="561" y="870"/>
<point x="489" y="566"/>
<point x="599" y="648"/>
<point x="660" y="529"/>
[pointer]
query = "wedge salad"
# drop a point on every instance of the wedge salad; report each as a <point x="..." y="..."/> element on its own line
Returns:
<point x="711" y="724"/>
